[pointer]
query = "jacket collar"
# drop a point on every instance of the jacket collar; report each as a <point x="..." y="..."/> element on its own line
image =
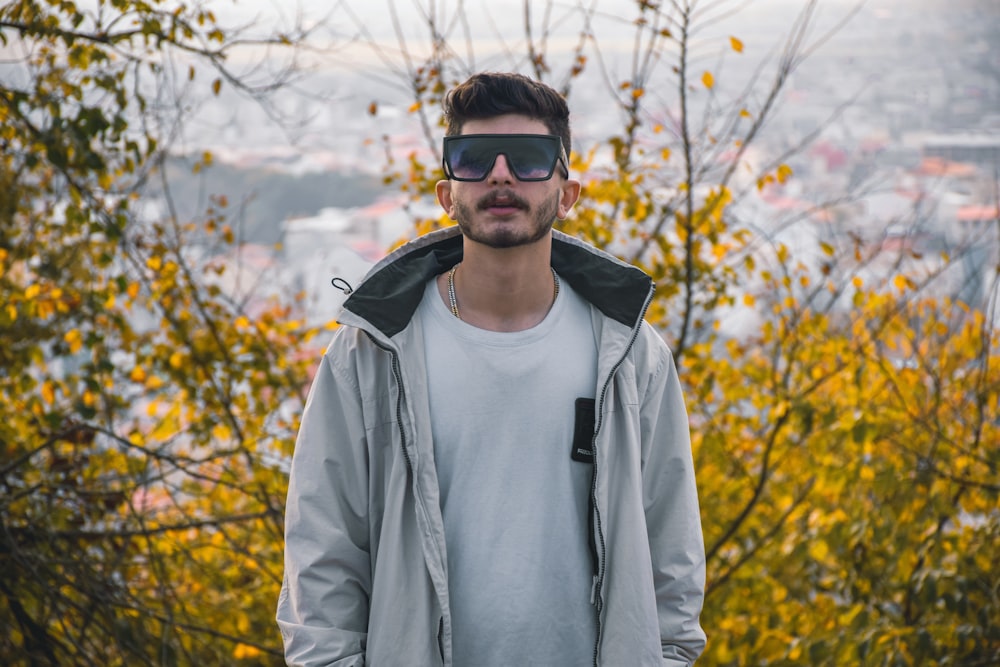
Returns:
<point x="389" y="295"/>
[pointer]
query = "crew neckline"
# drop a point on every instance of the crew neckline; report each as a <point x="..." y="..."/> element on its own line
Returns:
<point x="439" y="310"/>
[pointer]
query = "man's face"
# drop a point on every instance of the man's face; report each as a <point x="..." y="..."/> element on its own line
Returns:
<point x="502" y="211"/>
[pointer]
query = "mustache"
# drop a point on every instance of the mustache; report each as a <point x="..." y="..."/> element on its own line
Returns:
<point x="501" y="198"/>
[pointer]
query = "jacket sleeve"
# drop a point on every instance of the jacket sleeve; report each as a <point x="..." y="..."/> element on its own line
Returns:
<point x="673" y="519"/>
<point x="323" y="605"/>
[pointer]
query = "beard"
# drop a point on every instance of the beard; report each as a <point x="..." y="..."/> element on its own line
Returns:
<point x="503" y="235"/>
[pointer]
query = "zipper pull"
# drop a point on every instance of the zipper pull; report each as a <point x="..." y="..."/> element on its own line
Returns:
<point x="593" y="591"/>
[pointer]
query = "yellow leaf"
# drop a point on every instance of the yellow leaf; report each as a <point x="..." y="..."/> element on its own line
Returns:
<point x="242" y="623"/>
<point x="49" y="392"/>
<point x="32" y="291"/>
<point x="784" y="172"/>
<point x="707" y="79"/>
<point x="744" y="113"/>
<point x="827" y="248"/>
<point x="221" y="432"/>
<point x="154" y="263"/>
<point x="12" y="312"/>
<point x="137" y="374"/>
<point x="74" y="338"/>
<point x="857" y="282"/>
<point x="818" y="550"/>
<point x="216" y="86"/>
<point x="901" y="282"/>
<point x="736" y="44"/>
<point x="749" y="300"/>
<point x="782" y="253"/>
<point x="244" y="651"/>
<point x="133" y="290"/>
<point x="665" y="153"/>
<point x="415" y="107"/>
<point x="176" y="360"/>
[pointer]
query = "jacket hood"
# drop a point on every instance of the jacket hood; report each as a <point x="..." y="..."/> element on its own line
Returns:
<point x="389" y="295"/>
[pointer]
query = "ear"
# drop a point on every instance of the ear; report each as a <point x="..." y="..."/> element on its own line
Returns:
<point x="443" y="191"/>
<point x="568" y="194"/>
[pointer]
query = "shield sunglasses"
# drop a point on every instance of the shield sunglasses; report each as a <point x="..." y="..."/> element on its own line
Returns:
<point x="531" y="157"/>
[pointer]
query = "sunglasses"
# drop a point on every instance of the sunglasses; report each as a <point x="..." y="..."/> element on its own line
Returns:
<point x="531" y="157"/>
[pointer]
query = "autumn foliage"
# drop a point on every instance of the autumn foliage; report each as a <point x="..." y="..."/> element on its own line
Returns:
<point x="846" y="433"/>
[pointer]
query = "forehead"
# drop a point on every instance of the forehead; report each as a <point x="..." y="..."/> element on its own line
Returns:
<point x="506" y="124"/>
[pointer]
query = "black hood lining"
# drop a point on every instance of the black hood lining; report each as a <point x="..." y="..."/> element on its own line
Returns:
<point x="389" y="297"/>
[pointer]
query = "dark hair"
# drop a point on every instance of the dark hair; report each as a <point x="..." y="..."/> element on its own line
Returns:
<point x="490" y="94"/>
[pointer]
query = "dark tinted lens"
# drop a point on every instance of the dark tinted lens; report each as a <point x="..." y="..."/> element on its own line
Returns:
<point x="532" y="157"/>
<point x="533" y="160"/>
<point x="470" y="160"/>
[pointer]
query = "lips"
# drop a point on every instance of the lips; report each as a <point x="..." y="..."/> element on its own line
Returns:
<point x="501" y="211"/>
<point x="502" y="204"/>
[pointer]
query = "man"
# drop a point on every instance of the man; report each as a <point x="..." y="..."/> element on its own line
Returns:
<point x="494" y="465"/>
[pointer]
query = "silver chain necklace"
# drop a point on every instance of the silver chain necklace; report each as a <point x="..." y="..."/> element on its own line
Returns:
<point x="453" y="300"/>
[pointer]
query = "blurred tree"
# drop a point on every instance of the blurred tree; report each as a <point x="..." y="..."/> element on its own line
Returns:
<point x="143" y="413"/>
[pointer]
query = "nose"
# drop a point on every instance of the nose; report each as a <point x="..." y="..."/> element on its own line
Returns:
<point x="501" y="171"/>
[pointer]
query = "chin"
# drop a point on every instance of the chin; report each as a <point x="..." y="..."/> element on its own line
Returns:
<point x="504" y="238"/>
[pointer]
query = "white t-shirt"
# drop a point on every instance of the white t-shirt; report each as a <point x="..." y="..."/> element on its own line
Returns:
<point x="515" y="504"/>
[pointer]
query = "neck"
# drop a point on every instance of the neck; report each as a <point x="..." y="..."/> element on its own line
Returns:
<point x="508" y="289"/>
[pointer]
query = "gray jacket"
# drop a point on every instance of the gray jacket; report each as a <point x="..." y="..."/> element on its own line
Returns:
<point x="365" y="564"/>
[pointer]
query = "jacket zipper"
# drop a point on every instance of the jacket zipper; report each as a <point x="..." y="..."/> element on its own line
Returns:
<point x="397" y="375"/>
<point x="599" y="577"/>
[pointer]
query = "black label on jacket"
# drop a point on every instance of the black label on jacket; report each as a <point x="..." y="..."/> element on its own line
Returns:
<point x="583" y="430"/>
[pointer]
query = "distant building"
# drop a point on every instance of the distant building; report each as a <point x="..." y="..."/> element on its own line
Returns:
<point x="979" y="149"/>
<point x="316" y="249"/>
<point x="341" y="244"/>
